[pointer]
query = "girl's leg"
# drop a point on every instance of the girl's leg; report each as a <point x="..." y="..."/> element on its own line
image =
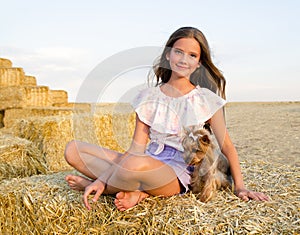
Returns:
<point x="90" y="160"/>
<point x="137" y="177"/>
<point x="134" y="177"/>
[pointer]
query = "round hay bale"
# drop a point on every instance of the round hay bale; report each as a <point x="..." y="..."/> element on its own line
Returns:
<point x="19" y="158"/>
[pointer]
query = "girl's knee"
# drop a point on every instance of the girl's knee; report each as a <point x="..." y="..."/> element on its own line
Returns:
<point x="138" y="163"/>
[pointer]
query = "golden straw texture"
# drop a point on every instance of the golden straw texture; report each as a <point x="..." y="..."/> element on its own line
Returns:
<point x="109" y="126"/>
<point x="5" y="63"/>
<point x="29" y="81"/>
<point x="58" y="97"/>
<point x="11" y="76"/>
<point x="19" y="158"/>
<point x="267" y="139"/>
<point x="45" y="205"/>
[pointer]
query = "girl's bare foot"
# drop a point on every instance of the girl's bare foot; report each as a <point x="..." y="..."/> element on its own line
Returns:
<point x="77" y="182"/>
<point x="126" y="200"/>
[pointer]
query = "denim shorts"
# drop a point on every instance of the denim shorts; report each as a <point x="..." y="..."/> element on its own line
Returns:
<point x="173" y="158"/>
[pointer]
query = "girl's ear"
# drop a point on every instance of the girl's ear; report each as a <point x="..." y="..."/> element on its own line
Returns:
<point x="199" y="64"/>
<point x="168" y="56"/>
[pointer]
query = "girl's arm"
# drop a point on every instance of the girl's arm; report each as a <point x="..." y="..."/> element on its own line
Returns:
<point x="138" y="147"/>
<point x="217" y="123"/>
<point x="140" y="138"/>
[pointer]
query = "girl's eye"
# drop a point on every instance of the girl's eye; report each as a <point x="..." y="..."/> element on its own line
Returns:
<point x="194" y="56"/>
<point x="178" y="52"/>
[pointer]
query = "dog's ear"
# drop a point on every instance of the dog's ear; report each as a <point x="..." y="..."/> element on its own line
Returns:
<point x="205" y="139"/>
<point x="207" y="127"/>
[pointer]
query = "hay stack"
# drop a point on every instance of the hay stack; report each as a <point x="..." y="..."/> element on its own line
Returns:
<point x="18" y="90"/>
<point x="111" y="128"/>
<point x="45" y="205"/>
<point x="19" y="158"/>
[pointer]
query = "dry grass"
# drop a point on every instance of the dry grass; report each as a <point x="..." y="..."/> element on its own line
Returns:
<point x="19" y="158"/>
<point x="45" y="205"/>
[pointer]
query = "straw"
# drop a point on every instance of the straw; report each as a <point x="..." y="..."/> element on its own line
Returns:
<point x="19" y="158"/>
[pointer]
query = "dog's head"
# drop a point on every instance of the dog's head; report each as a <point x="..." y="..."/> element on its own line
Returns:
<point x="197" y="142"/>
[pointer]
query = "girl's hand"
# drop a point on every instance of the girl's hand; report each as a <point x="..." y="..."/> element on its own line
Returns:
<point x="246" y="195"/>
<point x="98" y="187"/>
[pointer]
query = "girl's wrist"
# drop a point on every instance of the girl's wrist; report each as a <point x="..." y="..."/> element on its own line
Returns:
<point x="239" y="187"/>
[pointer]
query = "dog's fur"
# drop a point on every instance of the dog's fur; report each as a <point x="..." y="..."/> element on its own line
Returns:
<point x="211" y="171"/>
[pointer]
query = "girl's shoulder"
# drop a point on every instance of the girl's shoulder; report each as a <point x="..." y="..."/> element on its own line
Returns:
<point x="146" y="94"/>
<point x="204" y="94"/>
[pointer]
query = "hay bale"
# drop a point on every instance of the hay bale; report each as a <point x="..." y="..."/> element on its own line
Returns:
<point x="24" y="96"/>
<point x="50" y="135"/>
<point x="11" y="76"/>
<point x="5" y="63"/>
<point x="19" y="158"/>
<point x="37" y="96"/>
<point x="112" y="129"/>
<point x="86" y="107"/>
<point x="13" y="114"/>
<point x="58" y="97"/>
<point x="29" y="81"/>
<point x="11" y="97"/>
<point x="45" y="205"/>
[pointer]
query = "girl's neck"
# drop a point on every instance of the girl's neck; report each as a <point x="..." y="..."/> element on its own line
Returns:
<point x="180" y="83"/>
<point x="177" y="87"/>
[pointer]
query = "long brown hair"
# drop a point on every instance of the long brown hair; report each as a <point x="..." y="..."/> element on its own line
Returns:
<point x="207" y="75"/>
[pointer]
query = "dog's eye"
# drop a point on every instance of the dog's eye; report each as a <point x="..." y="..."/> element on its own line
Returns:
<point x="205" y="139"/>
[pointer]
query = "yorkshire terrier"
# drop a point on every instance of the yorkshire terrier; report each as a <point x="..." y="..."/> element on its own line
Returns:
<point x="209" y="169"/>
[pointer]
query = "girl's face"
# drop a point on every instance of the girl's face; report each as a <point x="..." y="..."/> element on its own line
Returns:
<point x="184" y="57"/>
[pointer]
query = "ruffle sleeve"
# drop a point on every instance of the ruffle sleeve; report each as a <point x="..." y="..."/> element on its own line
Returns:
<point x="169" y="115"/>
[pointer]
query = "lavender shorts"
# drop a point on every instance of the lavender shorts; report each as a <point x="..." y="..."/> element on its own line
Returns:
<point x="174" y="159"/>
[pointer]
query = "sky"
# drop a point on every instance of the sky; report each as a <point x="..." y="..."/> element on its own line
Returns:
<point x="63" y="43"/>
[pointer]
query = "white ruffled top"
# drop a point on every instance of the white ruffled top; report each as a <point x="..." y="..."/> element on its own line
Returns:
<point x="167" y="116"/>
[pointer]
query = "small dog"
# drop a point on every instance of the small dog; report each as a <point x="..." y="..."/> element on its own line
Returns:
<point x="210" y="169"/>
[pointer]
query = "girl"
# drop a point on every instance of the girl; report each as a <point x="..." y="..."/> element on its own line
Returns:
<point x="188" y="92"/>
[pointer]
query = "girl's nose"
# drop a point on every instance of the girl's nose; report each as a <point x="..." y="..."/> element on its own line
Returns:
<point x="183" y="58"/>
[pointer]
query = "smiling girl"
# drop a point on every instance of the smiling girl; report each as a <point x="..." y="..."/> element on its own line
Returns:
<point x="190" y="90"/>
